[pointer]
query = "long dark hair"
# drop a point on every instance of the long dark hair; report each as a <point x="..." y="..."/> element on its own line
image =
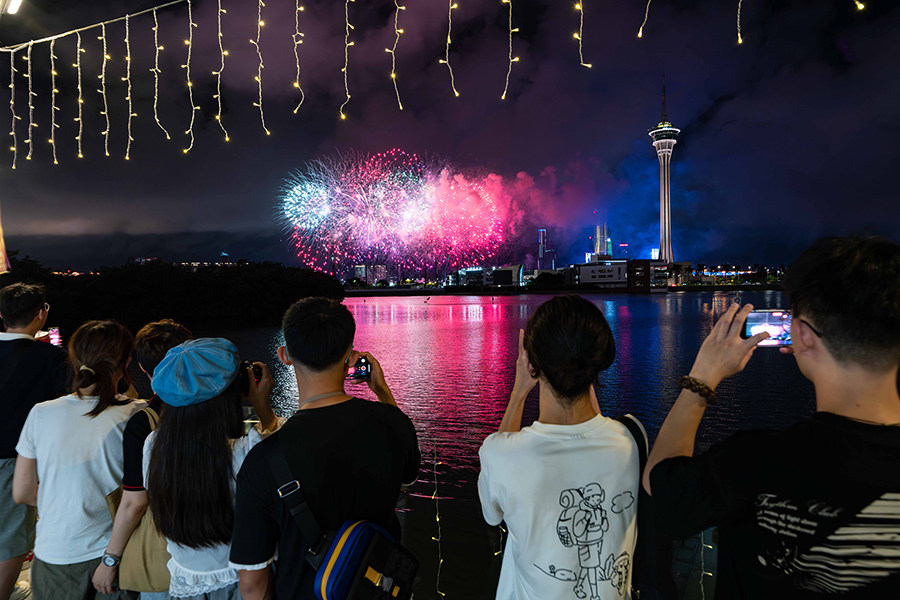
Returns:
<point x="103" y="349"/>
<point x="189" y="479"/>
<point x="569" y="342"/>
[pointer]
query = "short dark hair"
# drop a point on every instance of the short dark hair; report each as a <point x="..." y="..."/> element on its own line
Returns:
<point x="849" y="287"/>
<point x="317" y="332"/>
<point x="569" y="342"/>
<point x="20" y="303"/>
<point x="154" y="339"/>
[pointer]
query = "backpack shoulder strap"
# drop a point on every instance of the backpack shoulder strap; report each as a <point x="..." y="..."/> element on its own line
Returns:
<point x="291" y="493"/>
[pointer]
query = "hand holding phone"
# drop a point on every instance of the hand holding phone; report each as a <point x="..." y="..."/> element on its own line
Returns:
<point x="776" y="322"/>
<point x="361" y="370"/>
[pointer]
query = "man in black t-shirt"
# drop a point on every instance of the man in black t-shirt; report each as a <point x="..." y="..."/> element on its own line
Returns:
<point x="350" y="456"/>
<point x="30" y="372"/>
<point x="151" y="343"/>
<point x="812" y="511"/>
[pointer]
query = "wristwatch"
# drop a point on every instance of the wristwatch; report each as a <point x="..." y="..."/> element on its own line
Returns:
<point x="111" y="560"/>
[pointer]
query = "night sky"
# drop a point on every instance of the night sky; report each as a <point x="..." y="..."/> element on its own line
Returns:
<point x="785" y="138"/>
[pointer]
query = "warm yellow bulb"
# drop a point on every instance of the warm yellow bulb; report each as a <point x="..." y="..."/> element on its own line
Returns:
<point x="859" y="5"/>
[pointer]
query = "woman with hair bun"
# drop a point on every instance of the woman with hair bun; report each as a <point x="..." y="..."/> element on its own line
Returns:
<point x="72" y="446"/>
<point x="567" y="485"/>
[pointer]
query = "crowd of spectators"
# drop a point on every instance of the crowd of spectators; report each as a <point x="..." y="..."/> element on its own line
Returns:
<point x="808" y="512"/>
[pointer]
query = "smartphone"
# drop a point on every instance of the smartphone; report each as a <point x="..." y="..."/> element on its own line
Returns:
<point x="245" y="377"/>
<point x="776" y="321"/>
<point x="361" y="370"/>
<point x="55" y="338"/>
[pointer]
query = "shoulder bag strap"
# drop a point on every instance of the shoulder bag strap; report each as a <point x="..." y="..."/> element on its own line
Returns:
<point x="152" y="417"/>
<point x="291" y="493"/>
<point x="9" y="365"/>
<point x="645" y="565"/>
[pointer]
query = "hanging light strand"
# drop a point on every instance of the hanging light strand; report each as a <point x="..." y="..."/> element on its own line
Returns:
<point x="859" y="5"/>
<point x="77" y="65"/>
<point x="646" y="15"/>
<point x="12" y="106"/>
<point x="31" y="95"/>
<point x="156" y="72"/>
<point x="127" y="79"/>
<point x="580" y="35"/>
<point x="446" y="60"/>
<point x="437" y="518"/>
<point x="187" y="76"/>
<point x="102" y="90"/>
<point x="260" y="66"/>
<point x="512" y="30"/>
<point x="393" y="51"/>
<point x="347" y="44"/>
<point x="739" y="38"/>
<point x="218" y="74"/>
<point x="298" y="39"/>
<point x="53" y="107"/>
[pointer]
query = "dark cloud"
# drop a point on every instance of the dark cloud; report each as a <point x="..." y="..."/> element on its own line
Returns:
<point x="784" y="138"/>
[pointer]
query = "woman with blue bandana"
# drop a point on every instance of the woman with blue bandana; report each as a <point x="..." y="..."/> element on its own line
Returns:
<point x="193" y="457"/>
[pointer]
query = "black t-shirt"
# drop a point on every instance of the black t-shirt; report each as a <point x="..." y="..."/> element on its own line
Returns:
<point x="350" y="458"/>
<point x="42" y="373"/>
<point x="809" y="512"/>
<point x="136" y="431"/>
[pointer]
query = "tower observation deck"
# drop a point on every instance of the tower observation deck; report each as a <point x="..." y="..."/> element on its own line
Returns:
<point x="664" y="136"/>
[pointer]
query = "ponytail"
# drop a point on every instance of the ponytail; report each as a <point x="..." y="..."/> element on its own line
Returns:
<point x="99" y="352"/>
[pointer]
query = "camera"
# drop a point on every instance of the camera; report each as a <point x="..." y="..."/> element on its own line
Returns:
<point x="361" y="370"/>
<point x="777" y="322"/>
<point x="245" y="378"/>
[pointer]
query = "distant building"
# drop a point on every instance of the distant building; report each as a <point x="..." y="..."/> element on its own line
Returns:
<point x="512" y="275"/>
<point x="605" y="273"/>
<point x="648" y="275"/>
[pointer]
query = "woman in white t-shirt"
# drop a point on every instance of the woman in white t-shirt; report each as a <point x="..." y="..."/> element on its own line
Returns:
<point x="192" y="459"/>
<point x="567" y="485"/>
<point x="72" y="446"/>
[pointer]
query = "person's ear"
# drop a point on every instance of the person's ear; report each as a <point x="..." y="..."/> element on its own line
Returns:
<point x="802" y="337"/>
<point x="283" y="356"/>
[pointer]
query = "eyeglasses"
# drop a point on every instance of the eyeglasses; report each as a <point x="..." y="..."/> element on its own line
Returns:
<point x="814" y="330"/>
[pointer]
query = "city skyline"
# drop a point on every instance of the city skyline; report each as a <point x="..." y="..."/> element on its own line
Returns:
<point x="567" y="139"/>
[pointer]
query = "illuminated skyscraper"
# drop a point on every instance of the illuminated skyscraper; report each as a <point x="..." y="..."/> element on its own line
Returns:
<point x="664" y="137"/>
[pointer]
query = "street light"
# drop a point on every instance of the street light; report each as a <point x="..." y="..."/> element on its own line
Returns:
<point x="11" y="7"/>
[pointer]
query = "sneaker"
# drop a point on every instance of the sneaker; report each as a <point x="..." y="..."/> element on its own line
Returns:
<point x="21" y="591"/>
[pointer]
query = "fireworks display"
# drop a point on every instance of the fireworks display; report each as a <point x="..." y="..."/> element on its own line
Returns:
<point x="394" y="209"/>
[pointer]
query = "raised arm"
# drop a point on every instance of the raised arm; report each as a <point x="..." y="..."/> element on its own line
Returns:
<point x="525" y="381"/>
<point x="723" y="353"/>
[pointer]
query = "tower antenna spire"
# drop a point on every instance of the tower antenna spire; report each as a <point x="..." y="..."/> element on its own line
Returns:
<point x="664" y="114"/>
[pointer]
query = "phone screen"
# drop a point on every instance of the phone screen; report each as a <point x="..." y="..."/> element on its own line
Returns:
<point x="55" y="338"/>
<point x="776" y="322"/>
<point x="360" y="370"/>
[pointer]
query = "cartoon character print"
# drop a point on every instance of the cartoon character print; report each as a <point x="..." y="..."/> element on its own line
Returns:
<point x="582" y="524"/>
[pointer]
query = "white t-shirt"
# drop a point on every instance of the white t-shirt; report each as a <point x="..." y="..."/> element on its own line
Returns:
<point x="79" y="461"/>
<point x="568" y="494"/>
<point x="196" y="571"/>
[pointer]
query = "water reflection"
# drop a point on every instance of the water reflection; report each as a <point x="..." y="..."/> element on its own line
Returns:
<point x="451" y="364"/>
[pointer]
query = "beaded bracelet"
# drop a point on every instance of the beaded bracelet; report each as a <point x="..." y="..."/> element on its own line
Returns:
<point x="698" y="387"/>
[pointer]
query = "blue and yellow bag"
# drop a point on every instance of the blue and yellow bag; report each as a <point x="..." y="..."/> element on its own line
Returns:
<point x="362" y="561"/>
<point x="365" y="562"/>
